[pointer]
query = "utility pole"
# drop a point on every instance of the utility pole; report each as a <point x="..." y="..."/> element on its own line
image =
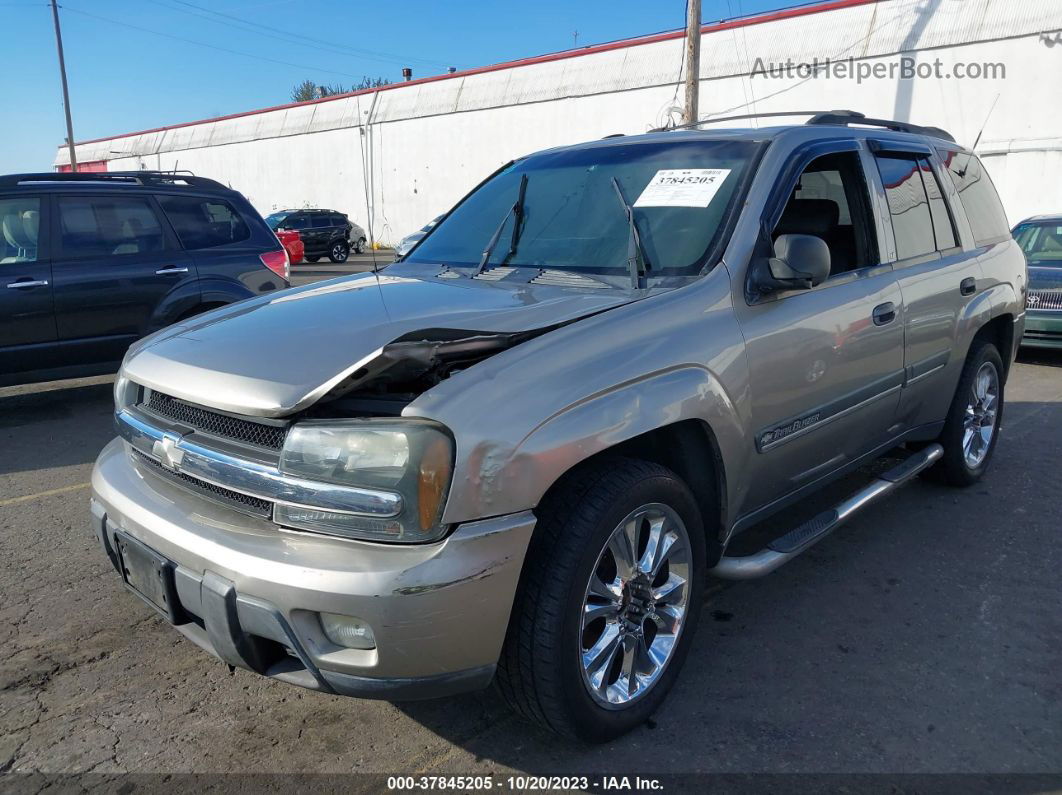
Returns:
<point x="66" y="91"/>
<point x="575" y="38"/>
<point x="693" y="60"/>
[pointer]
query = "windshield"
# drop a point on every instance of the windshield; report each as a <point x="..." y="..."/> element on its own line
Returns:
<point x="572" y="218"/>
<point x="274" y="220"/>
<point x="1041" y="242"/>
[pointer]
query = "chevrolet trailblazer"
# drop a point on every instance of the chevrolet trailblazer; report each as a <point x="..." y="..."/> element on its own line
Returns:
<point x="515" y="455"/>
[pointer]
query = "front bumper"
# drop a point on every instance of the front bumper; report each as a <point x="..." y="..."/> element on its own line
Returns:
<point x="1042" y="329"/>
<point x="250" y="593"/>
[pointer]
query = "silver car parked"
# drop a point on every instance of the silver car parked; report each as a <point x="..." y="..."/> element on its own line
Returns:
<point x="517" y="455"/>
<point x="405" y="245"/>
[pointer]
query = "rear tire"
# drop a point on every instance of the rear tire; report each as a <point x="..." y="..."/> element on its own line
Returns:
<point x="585" y="618"/>
<point x="971" y="429"/>
<point x="359" y="246"/>
<point x="310" y="259"/>
<point x="339" y="252"/>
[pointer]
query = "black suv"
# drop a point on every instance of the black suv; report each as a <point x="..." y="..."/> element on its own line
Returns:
<point x="91" y="262"/>
<point x="324" y="233"/>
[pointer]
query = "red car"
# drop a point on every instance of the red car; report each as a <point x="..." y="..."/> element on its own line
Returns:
<point x="292" y="242"/>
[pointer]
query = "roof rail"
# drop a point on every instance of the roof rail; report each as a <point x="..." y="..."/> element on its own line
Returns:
<point x="846" y="117"/>
<point x="119" y="177"/>
<point x="699" y="122"/>
<point x="842" y="117"/>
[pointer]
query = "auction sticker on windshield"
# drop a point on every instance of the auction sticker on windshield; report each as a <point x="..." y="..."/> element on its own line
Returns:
<point x="682" y="187"/>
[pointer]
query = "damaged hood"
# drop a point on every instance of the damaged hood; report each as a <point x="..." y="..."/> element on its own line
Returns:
<point x="272" y="356"/>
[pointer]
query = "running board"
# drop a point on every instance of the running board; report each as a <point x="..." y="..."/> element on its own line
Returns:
<point x="803" y="537"/>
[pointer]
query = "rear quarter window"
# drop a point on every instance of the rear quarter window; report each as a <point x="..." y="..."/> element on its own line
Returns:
<point x="204" y="223"/>
<point x="978" y="196"/>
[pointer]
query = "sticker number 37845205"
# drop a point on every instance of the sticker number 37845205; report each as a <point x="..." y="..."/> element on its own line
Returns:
<point x="682" y="187"/>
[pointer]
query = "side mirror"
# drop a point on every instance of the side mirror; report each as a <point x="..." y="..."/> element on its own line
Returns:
<point x="799" y="263"/>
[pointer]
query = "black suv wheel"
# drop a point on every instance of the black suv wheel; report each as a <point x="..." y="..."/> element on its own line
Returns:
<point x="339" y="251"/>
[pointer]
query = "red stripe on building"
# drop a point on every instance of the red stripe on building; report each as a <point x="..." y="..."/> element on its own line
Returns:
<point x="758" y="19"/>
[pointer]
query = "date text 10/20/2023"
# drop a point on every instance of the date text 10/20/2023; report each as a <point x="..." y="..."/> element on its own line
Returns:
<point x="522" y="783"/>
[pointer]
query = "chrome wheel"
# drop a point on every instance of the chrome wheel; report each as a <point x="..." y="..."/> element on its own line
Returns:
<point x="339" y="252"/>
<point x="982" y="411"/>
<point x="635" y="606"/>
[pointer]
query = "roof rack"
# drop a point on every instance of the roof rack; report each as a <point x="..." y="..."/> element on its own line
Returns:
<point x="846" y="117"/>
<point x="699" y="122"/>
<point x="120" y="177"/>
<point x="842" y="117"/>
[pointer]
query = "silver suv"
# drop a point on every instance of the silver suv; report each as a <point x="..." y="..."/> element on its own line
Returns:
<point x="517" y="454"/>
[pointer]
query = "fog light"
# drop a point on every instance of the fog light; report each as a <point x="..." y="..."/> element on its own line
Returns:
<point x="347" y="631"/>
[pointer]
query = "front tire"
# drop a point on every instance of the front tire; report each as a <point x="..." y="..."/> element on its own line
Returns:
<point x="608" y="603"/>
<point x="339" y="252"/>
<point x="971" y="429"/>
<point x="359" y="246"/>
<point x="311" y="259"/>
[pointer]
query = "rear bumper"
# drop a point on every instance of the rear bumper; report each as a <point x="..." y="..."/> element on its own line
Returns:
<point x="250" y="593"/>
<point x="1042" y="330"/>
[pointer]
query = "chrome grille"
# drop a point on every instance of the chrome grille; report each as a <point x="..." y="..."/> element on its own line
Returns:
<point x="1044" y="299"/>
<point x="255" y="506"/>
<point x="259" y="434"/>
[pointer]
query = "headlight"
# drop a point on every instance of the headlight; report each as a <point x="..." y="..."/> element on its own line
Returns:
<point x="125" y="392"/>
<point x="410" y="458"/>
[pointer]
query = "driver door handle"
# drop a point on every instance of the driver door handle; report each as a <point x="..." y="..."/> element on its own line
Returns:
<point x="884" y="313"/>
<point x="23" y="285"/>
<point x="170" y="269"/>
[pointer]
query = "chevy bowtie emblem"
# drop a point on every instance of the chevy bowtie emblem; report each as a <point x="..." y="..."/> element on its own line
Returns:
<point x="167" y="451"/>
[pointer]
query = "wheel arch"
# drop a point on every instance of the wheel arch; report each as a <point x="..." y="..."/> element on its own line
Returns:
<point x="690" y="449"/>
<point x="174" y="305"/>
<point x="200" y="308"/>
<point x="1000" y="332"/>
<point x="991" y="315"/>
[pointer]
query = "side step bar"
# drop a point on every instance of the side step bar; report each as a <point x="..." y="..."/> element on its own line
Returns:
<point x="803" y="537"/>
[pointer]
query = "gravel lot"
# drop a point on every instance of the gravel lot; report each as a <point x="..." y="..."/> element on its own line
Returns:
<point x="925" y="636"/>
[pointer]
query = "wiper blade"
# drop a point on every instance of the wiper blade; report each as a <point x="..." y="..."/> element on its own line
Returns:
<point x="516" y="210"/>
<point x="636" y="259"/>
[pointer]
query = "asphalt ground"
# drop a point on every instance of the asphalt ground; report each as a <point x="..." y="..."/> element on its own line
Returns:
<point x="925" y="636"/>
<point x="307" y="272"/>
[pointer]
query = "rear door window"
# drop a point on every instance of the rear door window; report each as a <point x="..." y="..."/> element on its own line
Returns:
<point x="943" y="230"/>
<point x="978" y="196"/>
<point x="912" y="221"/>
<point x="94" y="226"/>
<point x="20" y="223"/>
<point x="204" y="223"/>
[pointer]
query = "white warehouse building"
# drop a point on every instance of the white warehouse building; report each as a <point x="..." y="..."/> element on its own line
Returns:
<point x="988" y="71"/>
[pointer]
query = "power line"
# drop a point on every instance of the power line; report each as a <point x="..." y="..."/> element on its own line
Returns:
<point x="295" y="38"/>
<point x="111" y="21"/>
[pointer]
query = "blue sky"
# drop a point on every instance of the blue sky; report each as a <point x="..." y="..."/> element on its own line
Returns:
<point x="125" y="78"/>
